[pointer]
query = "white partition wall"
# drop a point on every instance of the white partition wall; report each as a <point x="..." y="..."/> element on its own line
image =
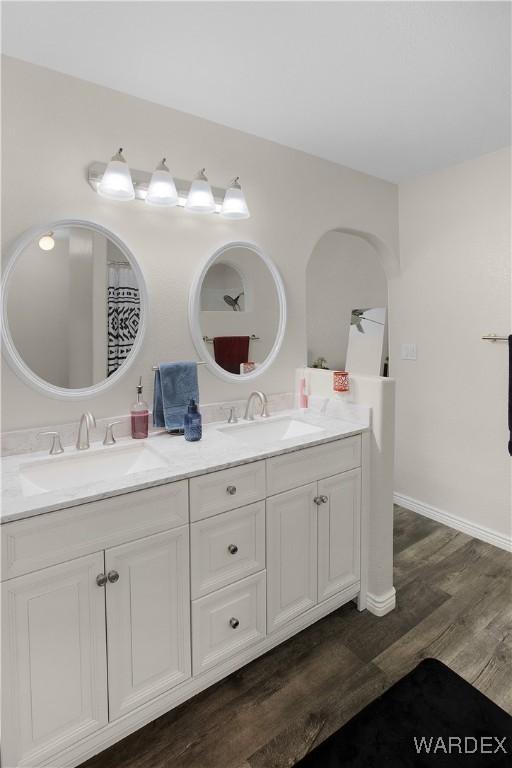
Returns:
<point x="378" y="394"/>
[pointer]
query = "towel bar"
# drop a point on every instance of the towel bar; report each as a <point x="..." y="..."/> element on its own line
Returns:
<point x="199" y="362"/>
<point x="209" y="339"/>
<point x="494" y="337"/>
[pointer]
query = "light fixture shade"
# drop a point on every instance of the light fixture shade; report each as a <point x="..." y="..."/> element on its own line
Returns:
<point x="200" y="197"/>
<point x="162" y="189"/>
<point x="46" y="242"/>
<point x="234" y="205"/>
<point x="116" y="183"/>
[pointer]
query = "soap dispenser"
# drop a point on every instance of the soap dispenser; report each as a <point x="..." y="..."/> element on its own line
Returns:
<point x="139" y="415"/>
<point x="192" y="423"/>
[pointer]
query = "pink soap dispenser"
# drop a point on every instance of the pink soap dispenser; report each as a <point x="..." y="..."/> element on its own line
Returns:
<point x="303" y="393"/>
<point x="139" y="415"/>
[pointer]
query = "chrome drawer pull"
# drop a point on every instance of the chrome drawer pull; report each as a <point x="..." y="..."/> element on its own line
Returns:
<point x="101" y="579"/>
<point x="232" y="549"/>
<point x="113" y="576"/>
<point x="231" y="489"/>
<point x="234" y="623"/>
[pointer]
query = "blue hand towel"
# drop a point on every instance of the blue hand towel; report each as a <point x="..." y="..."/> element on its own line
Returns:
<point x="175" y="385"/>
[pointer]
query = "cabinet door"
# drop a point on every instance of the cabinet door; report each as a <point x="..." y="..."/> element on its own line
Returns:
<point x="53" y="660"/>
<point x="291" y="555"/>
<point x="339" y="533"/>
<point x="148" y="618"/>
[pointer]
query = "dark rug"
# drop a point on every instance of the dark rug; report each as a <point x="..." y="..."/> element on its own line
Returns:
<point x="430" y="704"/>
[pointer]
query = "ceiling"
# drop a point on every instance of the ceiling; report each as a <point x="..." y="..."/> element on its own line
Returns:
<point x="395" y="89"/>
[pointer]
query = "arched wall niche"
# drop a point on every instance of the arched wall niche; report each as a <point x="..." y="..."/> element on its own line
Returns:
<point x="347" y="269"/>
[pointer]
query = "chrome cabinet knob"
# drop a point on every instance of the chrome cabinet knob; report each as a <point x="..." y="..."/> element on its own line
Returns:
<point x="318" y="500"/>
<point x="231" y="489"/>
<point x="232" y="549"/>
<point x="234" y="623"/>
<point x="101" y="579"/>
<point x="113" y="576"/>
<point x="324" y="499"/>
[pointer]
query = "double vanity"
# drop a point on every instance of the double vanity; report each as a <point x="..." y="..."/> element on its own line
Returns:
<point x="137" y="574"/>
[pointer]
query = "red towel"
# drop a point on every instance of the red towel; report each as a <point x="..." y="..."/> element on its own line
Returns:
<point x="230" y="351"/>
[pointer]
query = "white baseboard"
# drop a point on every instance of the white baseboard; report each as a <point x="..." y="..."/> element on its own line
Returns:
<point x="379" y="605"/>
<point x="453" y="521"/>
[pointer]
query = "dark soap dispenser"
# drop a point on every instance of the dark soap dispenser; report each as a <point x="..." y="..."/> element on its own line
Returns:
<point x="192" y="423"/>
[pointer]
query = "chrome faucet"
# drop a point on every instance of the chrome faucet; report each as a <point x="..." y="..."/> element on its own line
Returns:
<point x="88" y="421"/>
<point x="248" y="415"/>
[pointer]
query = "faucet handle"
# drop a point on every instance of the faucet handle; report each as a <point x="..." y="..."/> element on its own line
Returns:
<point x="56" y="446"/>
<point x="232" y="414"/>
<point x="109" y="438"/>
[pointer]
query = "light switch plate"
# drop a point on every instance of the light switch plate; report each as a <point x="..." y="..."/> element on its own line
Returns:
<point x="408" y="351"/>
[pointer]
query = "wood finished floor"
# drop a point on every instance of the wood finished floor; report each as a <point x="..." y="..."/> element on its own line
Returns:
<point x="453" y="603"/>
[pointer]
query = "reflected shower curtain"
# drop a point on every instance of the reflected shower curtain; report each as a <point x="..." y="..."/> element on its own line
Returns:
<point x="123" y="304"/>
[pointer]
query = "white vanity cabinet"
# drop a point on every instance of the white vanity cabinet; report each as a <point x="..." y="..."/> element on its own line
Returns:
<point x="313" y="545"/>
<point x="291" y="554"/>
<point x="148" y="618"/>
<point x="339" y="533"/>
<point x="124" y="608"/>
<point x="117" y="610"/>
<point x="54" y="665"/>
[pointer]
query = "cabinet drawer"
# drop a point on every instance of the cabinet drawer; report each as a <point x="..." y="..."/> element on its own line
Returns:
<point x="302" y="467"/>
<point x="227" y="489"/>
<point x="227" y="547"/>
<point x="37" y="542"/>
<point x="228" y="621"/>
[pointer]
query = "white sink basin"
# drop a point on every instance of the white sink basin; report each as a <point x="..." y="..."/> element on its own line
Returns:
<point x="90" y="466"/>
<point x="273" y="430"/>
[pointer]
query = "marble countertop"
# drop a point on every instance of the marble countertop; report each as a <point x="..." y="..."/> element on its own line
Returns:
<point x="180" y="459"/>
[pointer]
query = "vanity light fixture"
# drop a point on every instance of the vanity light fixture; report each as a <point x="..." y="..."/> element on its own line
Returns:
<point x="200" y="197"/>
<point x="162" y="189"/>
<point x="234" y="205"/>
<point x="116" y="183"/>
<point x="47" y="242"/>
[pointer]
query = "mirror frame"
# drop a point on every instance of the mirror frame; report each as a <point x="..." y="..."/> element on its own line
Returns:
<point x="194" y="317"/>
<point x="16" y="362"/>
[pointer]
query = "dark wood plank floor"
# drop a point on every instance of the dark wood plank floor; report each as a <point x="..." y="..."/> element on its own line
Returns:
<point x="454" y="604"/>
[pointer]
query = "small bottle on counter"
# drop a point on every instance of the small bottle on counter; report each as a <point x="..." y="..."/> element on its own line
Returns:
<point x="139" y="415"/>
<point x="303" y="393"/>
<point x="193" y="423"/>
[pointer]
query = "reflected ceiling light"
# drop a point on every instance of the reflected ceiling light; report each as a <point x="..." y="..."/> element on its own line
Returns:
<point x="46" y="242"/>
<point x="162" y="189"/>
<point x="116" y="183"/>
<point x="200" y="197"/>
<point x="234" y="205"/>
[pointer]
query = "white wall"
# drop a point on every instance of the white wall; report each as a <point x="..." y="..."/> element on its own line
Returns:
<point x="344" y="273"/>
<point x="55" y="125"/>
<point x="454" y="287"/>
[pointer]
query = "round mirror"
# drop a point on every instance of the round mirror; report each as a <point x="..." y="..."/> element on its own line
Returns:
<point x="237" y="312"/>
<point x="74" y="303"/>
